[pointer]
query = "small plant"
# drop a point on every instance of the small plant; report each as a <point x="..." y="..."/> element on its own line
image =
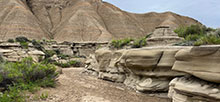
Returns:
<point x="121" y="43"/>
<point x="184" y="31"/>
<point x="207" y="40"/>
<point x="11" y="40"/>
<point x="24" y="45"/>
<point x="139" y="43"/>
<point x="68" y="64"/>
<point x="194" y="37"/>
<point x="21" y="39"/>
<point x="49" y="53"/>
<point x="44" y="96"/>
<point x="17" y="77"/>
<point x="62" y="56"/>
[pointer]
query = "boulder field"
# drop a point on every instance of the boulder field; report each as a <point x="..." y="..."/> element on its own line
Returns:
<point x="188" y="74"/>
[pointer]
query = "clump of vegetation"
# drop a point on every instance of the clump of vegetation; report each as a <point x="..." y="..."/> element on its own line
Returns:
<point x="138" y="43"/>
<point x="121" y="43"/>
<point x="11" y="40"/>
<point x="72" y="63"/>
<point x="24" y="45"/>
<point x="198" y="35"/>
<point x="23" y="41"/>
<point x="134" y="43"/>
<point x="18" y="77"/>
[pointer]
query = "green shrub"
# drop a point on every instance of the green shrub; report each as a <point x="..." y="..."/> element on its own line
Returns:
<point x="217" y="32"/>
<point x="208" y="40"/>
<point x="49" y="53"/>
<point x="121" y="43"/>
<point x="37" y="45"/>
<point x="44" y="96"/>
<point x="139" y="43"/>
<point x="192" y="37"/>
<point x="21" y="39"/>
<point x="24" y="45"/>
<point x="62" y="56"/>
<point x="72" y="63"/>
<point x="16" y="77"/>
<point x="190" y="30"/>
<point x="11" y="40"/>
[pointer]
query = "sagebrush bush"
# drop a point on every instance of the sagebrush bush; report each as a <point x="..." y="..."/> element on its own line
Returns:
<point x="198" y="35"/>
<point x="138" y="43"/>
<point x="121" y="43"/>
<point x="21" y="39"/>
<point x="11" y="40"/>
<point x="207" y="40"/>
<point x="184" y="31"/>
<point x="24" y="75"/>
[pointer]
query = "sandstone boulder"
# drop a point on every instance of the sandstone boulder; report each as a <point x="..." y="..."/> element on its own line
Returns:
<point x="149" y="69"/>
<point x="202" y="62"/>
<point x="193" y="90"/>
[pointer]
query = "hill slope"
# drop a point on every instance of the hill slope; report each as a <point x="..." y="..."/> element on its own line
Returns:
<point x="79" y="20"/>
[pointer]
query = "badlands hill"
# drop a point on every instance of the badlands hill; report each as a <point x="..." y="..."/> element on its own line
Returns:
<point x="79" y="20"/>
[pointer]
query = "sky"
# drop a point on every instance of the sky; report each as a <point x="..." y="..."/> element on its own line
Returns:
<point x="205" y="11"/>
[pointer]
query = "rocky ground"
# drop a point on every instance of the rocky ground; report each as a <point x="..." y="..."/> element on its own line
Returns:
<point x="75" y="86"/>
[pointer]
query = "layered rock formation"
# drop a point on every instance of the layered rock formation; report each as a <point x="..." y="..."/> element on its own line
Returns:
<point x="13" y="52"/>
<point x="191" y="74"/>
<point x="193" y="90"/>
<point x="16" y="19"/>
<point x="163" y="35"/>
<point x="202" y="62"/>
<point x="79" y="20"/>
<point x="146" y="69"/>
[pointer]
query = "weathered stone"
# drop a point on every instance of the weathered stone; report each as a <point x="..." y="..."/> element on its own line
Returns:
<point x="142" y="59"/>
<point x="147" y="84"/>
<point x="91" y="63"/>
<point x="103" y="58"/>
<point x="163" y="35"/>
<point x="66" y="51"/>
<point x="202" y="62"/>
<point x="193" y="90"/>
<point x="6" y="51"/>
<point x="10" y="45"/>
<point x="112" y="77"/>
<point x="36" y="52"/>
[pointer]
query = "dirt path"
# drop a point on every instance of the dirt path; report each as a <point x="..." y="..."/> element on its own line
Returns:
<point x="74" y="86"/>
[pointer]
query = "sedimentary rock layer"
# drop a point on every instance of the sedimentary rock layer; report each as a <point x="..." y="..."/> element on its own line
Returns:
<point x="79" y="20"/>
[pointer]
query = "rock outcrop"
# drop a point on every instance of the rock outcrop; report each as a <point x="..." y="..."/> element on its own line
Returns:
<point x="191" y="74"/>
<point x="193" y="90"/>
<point x="13" y="52"/>
<point x="142" y="69"/>
<point x="202" y="62"/>
<point x="163" y="35"/>
<point x="79" y="20"/>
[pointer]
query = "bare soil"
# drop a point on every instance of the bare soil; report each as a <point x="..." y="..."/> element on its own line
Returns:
<point x="75" y="86"/>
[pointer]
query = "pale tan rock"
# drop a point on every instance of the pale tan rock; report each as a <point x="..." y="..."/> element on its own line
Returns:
<point x="153" y="84"/>
<point x="193" y="90"/>
<point x="36" y="52"/>
<point x="163" y="35"/>
<point x="142" y="59"/>
<point x="112" y="77"/>
<point x="202" y="62"/>
<point x="103" y="58"/>
<point x="149" y="69"/>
